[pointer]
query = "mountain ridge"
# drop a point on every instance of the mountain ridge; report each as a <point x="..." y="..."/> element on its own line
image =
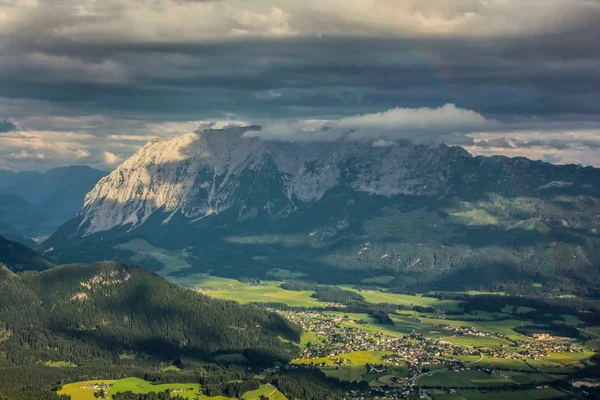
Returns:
<point x="223" y="195"/>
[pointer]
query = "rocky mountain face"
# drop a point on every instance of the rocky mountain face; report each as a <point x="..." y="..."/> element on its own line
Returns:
<point x="401" y="214"/>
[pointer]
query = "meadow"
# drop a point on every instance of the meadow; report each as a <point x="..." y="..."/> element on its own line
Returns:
<point x="355" y="358"/>
<point x="266" y="390"/>
<point x="464" y="379"/>
<point x="81" y="390"/>
<point x="528" y="394"/>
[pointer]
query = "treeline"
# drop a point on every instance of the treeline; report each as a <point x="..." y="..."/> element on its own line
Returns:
<point x="309" y="384"/>
<point x="327" y="294"/>
<point x="332" y="294"/>
<point x="562" y="330"/>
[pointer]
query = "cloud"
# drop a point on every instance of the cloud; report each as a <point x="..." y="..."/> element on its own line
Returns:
<point x="416" y="124"/>
<point x="551" y="158"/>
<point x="7" y="126"/>
<point x="306" y="70"/>
<point x="111" y="159"/>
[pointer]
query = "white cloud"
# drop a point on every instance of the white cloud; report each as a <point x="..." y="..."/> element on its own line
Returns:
<point x="194" y="21"/>
<point x="111" y="159"/>
<point x="416" y="124"/>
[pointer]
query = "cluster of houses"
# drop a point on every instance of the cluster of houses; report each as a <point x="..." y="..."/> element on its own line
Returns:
<point x="471" y="331"/>
<point x="336" y="339"/>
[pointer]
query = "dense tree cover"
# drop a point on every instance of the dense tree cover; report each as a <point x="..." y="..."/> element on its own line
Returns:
<point x="332" y="294"/>
<point x="562" y="330"/>
<point x="78" y="313"/>
<point x="382" y="318"/>
<point x="18" y="257"/>
<point x="309" y="384"/>
<point x="233" y="389"/>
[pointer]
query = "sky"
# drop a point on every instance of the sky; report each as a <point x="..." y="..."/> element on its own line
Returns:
<point x="88" y="82"/>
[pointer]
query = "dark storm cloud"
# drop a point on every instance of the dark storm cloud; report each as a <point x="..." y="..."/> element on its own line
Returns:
<point x="502" y="78"/>
<point x="112" y="67"/>
<point x="7" y="126"/>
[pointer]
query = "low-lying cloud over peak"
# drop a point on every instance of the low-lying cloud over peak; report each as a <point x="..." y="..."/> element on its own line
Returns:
<point x="415" y="124"/>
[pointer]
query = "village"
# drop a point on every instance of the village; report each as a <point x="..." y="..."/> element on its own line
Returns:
<point x="336" y="336"/>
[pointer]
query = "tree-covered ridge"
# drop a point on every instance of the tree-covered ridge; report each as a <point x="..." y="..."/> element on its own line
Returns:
<point x="78" y="312"/>
<point x="18" y="257"/>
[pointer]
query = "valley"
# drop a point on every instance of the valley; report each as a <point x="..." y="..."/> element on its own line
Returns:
<point x="427" y="347"/>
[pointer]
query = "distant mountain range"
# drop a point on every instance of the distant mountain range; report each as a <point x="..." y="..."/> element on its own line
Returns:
<point x="35" y="204"/>
<point x="402" y="215"/>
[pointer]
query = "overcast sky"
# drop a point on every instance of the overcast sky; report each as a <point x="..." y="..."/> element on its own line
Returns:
<point x="90" y="81"/>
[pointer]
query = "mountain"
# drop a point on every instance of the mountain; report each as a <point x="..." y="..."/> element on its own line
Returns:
<point x="9" y="178"/>
<point x="404" y="215"/>
<point x="101" y="313"/>
<point x="18" y="257"/>
<point x="34" y="204"/>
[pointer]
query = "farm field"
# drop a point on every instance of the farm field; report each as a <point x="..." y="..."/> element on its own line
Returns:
<point x="172" y="262"/>
<point x="350" y="373"/>
<point x="266" y="390"/>
<point x="269" y="291"/>
<point x="505" y="326"/>
<point x="529" y="394"/>
<point x="230" y="289"/>
<point x="80" y="390"/>
<point x="476" y="341"/>
<point x="355" y="358"/>
<point x="414" y="326"/>
<point x="464" y="379"/>
<point x="504" y="364"/>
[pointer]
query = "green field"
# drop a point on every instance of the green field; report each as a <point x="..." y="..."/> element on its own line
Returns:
<point x="464" y="379"/>
<point x="350" y="373"/>
<point x="172" y="368"/>
<point x="80" y="390"/>
<point x="171" y="261"/>
<point x="505" y="327"/>
<point x="476" y="341"/>
<point x="140" y="386"/>
<point x="266" y="390"/>
<point x="230" y="289"/>
<point x="566" y="359"/>
<point x="504" y="363"/>
<point x="310" y="337"/>
<point x="355" y="358"/>
<point x="357" y="373"/>
<point x="529" y="394"/>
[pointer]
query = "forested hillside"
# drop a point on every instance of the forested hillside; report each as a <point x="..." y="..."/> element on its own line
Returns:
<point x="104" y="311"/>
<point x="18" y="257"/>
